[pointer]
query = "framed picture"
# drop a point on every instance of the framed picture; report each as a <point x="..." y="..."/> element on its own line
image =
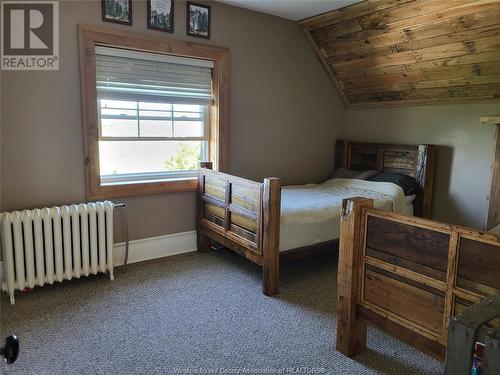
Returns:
<point x="198" y="20"/>
<point x="161" y="15"/>
<point x="117" y="11"/>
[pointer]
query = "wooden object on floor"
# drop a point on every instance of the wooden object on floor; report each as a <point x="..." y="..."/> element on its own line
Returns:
<point x="410" y="52"/>
<point x="414" y="275"/>
<point x="271" y="235"/>
<point x="203" y="242"/>
<point x="413" y="160"/>
<point x="243" y="216"/>
<point x="351" y="332"/>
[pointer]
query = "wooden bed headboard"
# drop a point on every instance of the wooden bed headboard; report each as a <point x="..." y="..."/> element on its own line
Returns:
<point x="412" y="160"/>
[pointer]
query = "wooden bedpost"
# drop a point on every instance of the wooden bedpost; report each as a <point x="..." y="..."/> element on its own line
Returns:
<point x="351" y="332"/>
<point x="271" y="234"/>
<point x="203" y="242"/>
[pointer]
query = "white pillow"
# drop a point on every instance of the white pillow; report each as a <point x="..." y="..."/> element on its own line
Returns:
<point x="356" y="175"/>
<point x="410" y="198"/>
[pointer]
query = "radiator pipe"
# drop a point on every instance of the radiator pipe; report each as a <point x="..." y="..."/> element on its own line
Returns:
<point x="125" y="232"/>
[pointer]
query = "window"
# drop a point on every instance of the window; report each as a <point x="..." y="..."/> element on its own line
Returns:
<point x="142" y="141"/>
<point x="156" y="115"/>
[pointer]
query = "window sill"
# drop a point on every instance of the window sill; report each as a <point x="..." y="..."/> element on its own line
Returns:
<point x="148" y="180"/>
<point x="138" y="188"/>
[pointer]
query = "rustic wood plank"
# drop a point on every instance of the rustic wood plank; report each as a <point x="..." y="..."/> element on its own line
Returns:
<point x="406" y="273"/>
<point x="351" y="331"/>
<point x="493" y="218"/>
<point x="467" y="7"/>
<point x="425" y="345"/>
<point x="430" y="49"/>
<point x="418" y="245"/>
<point x="410" y="56"/>
<point x="454" y="20"/>
<point x="415" y="304"/>
<point x="271" y="235"/>
<point x="468" y="74"/>
<point x="244" y="222"/>
<point x="214" y="209"/>
<point x="486" y="63"/>
<point x="246" y="198"/>
<point x="203" y="242"/>
<point x="400" y="262"/>
<point x="479" y="262"/>
<point x="380" y="20"/>
<point x="451" y="276"/>
<point x="485" y="90"/>
<point x="242" y="232"/>
<point x="329" y="70"/>
<point x="235" y="243"/>
<point x="410" y="42"/>
<point x="336" y="30"/>
<point x="476" y="288"/>
<point x="437" y="43"/>
<point x="408" y="81"/>
<point x="350" y="12"/>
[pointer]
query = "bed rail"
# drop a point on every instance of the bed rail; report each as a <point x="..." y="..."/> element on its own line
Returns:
<point x="242" y="215"/>
<point x="408" y="276"/>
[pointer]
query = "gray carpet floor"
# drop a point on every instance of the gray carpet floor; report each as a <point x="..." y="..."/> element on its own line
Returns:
<point x="195" y="313"/>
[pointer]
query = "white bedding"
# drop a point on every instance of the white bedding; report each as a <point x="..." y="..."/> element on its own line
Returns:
<point x="310" y="213"/>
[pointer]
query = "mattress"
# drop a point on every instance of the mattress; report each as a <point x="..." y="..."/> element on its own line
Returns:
<point x="310" y="214"/>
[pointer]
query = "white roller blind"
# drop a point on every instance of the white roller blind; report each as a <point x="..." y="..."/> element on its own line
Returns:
<point x="126" y="74"/>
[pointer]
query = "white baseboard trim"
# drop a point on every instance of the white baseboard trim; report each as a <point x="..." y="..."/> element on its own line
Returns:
<point x="155" y="247"/>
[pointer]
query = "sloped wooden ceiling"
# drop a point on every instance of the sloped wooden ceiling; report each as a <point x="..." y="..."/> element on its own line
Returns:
<point x="410" y="52"/>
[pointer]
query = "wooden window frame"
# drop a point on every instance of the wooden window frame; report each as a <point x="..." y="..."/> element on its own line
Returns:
<point x="89" y="37"/>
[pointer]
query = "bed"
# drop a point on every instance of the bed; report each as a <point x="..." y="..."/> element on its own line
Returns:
<point x="263" y="221"/>
<point x="409" y="276"/>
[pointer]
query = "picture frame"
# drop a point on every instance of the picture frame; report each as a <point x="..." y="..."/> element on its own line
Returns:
<point x="198" y="20"/>
<point x="117" y="11"/>
<point x="160" y="15"/>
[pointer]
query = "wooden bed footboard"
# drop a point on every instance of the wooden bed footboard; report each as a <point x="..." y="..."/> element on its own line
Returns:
<point x="242" y="215"/>
<point x="408" y="276"/>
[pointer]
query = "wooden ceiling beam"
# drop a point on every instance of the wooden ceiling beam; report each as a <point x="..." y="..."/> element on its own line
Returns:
<point x="406" y="42"/>
<point x="462" y="18"/>
<point x="472" y="72"/>
<point x="480" y="61"/>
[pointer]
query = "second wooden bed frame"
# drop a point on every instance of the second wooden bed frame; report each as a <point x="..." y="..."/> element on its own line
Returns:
<point x="244" y="215"/>
<point x="408" y="276"/>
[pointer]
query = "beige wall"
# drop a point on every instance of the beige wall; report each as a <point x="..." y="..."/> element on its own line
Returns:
<point x="284" y="115"/>
<point x="462" y="179"/>
<point x="1" y="115"/>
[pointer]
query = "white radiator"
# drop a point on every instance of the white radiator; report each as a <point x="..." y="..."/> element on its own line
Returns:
<point x="54" y="244"/>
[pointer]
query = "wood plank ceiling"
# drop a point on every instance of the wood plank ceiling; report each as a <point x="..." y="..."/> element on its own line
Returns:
<point x="410" y="52"/>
